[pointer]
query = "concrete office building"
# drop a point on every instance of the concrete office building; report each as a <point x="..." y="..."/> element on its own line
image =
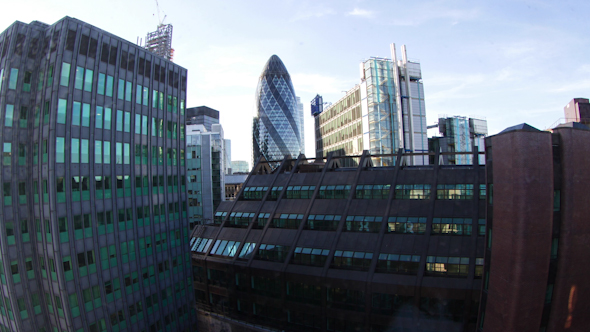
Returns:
<point x="384" y="113"/>
<point x="459" y="134"/>
<point x="313" y="246"/>
<point x="276" y="127"/>
<point x="94" y="230"/>
<point x="205" y="171"/>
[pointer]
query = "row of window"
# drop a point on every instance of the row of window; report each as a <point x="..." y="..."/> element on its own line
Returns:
<point x="343" y="259"/>
<point x="371" y="224"/>
<point x="83" y="81"/>
<point x="402" y="191"/>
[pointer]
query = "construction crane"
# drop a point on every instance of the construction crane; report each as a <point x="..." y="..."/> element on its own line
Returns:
<point x="160" y="21"/>
<point x="160" y="41"/>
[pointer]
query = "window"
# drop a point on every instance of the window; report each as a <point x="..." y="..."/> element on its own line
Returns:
<point x="352" y="260"/>
<point x="240" y="219"/>
<point x="285" y="220"/>
<point x="369" y="191"/>
<point x="86" y="115"/>
<point x="449" y="266"/>
<point x="22" y="193"/>
<point x="65" y="74"/>
<point x="88" y="80"/>
<point x="61" y="110"/>
<point x="76" y="113"/>
<point x="97" y="152"/>
<point x="225" y="248"/>
<point x="370" y="224"/>
<point x="310" y="256"/>
<point x="296" y="192"/>
<point x="412" y="191"/>
<point x="254" y="193"/>
<point x="13" y="78"/>
<point x="322" y="222"/>
<point x="107" y="118"/>
<point x="121" y="89"/>
<point x="395" y="263"/>
<point x="451" y="226"/>
<point x="59" y="149"/>
<point x="106" y="152"/>
<point x="22" y="154"/>
<point x="100" y="84"/>
<point x="127" y="122"/>
<point x="407" y="225"/>
<point x="8" y="115"/>
<point x="119" y="122"/>
<point x="27" y="81"/>
<point x="109" y="86"/>
<point x="75" y="146"/>
<point x="271" y="252"/>
<point x="7" y="154"/>
<point x="128" y="91"/>
<point x="79" y="79"/>
<point x="454" y="191"/>
<point x="334" y="192"/>
<point x="23" y="114"/>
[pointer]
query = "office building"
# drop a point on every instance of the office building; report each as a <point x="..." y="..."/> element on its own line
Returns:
<point x="227" y="169"/>
<point x="233" y="184"/>
<point x="276" y="127"/>
<point x="205" y="171"/>
<point x="240" y="166"/>
<point x="94" y="230"/>
<point x="384" y="113"/>
<point x="202" y="115"/>
<point x="459" y="134"/>
<point x="313" y="246"/>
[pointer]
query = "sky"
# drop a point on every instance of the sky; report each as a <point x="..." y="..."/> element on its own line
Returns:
<point x="508" y="62"/>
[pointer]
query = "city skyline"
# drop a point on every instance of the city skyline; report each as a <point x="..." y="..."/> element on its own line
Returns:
<point x="523" y="60"/>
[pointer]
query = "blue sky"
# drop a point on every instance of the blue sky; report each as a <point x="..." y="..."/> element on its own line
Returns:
<point x="506" y="61"/>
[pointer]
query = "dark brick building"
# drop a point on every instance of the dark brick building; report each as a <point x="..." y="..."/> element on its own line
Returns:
<point x="313" y="246"/>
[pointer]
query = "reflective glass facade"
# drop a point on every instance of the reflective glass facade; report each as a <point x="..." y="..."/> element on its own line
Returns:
<point x="276" y="128"/>
<point x="94" y="232"/>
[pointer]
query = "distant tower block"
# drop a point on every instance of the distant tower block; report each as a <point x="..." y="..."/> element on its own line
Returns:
<point x="160" y="41"/>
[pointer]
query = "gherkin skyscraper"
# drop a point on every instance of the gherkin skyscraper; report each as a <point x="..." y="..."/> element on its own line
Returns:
<point x="276" y="128"/>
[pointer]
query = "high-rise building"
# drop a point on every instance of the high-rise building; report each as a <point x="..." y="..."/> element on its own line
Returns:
<point x="500" y="246"/>
<point x="159" y="42"/>
<point x="384" y="113"/>
<point x="301" y="124"/>
<point x="459" y="134"/>
<point x="205" y="171"/>
<point x="202" y="115"/>
<point x="94" y="229"/>
<point x="276" y="127"/>
<point x="227" y="169"/>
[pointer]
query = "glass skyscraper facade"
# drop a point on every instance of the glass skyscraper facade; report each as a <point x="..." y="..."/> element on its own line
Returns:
<point x="276" y="128"/>
<point x="94" y="228"/>
<point x="384" y="113"/>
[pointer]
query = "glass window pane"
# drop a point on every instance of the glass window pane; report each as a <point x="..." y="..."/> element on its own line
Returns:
<point x="59" y="149"/>
<point x="13" y="78"/>
<point x="61" y="111"/>
<point x="109" y="87"/>
<point x="101" y="82"/>
<point x="107" y="118"/>
<point x="76" y="110"/>
<point x="65" y="74"/>
<point x="88" y="80"/>
<point x="99" y="116"/>
<point x="86" y="115"/>
<point x="9" y="115"/>
<point x="79" y="78"/>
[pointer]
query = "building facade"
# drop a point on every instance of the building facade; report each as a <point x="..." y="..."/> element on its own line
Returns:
<point x="93" y="217"/>
<point x="459" y="134"/>
<point x="240" y="166"/>
<point x="313" y="246"/>
<point x="276" y="127"/>
<point x="205" y="171"/>
<point x="577" y="110"/>
<point x="384" y="113"/>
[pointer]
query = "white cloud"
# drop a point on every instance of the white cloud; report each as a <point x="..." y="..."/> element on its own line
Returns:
<point x="307" y="12"/>
<point x="361" y="13"/>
